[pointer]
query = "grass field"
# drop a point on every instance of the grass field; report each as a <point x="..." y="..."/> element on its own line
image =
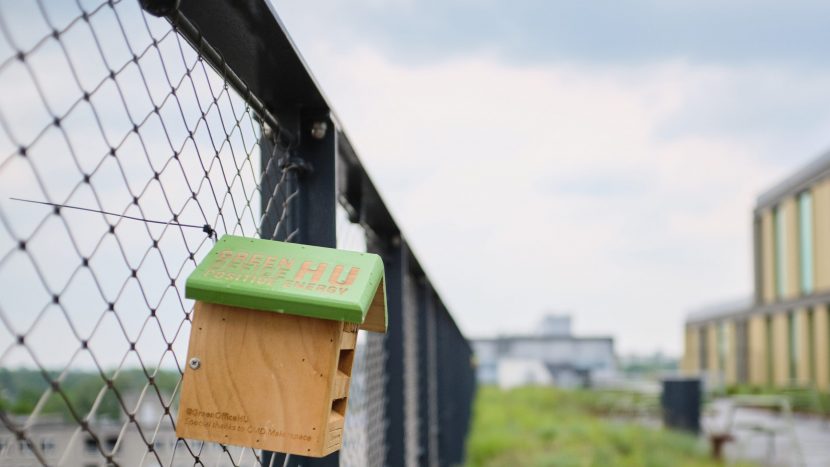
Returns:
<point x="550" y="427"/>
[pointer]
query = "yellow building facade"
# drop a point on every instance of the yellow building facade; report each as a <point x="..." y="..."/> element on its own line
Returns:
<point x="781" y="337"/>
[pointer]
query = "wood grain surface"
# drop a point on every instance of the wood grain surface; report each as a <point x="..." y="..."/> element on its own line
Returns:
<point x="267" y="380"/>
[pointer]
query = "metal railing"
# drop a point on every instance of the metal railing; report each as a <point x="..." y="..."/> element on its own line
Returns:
<point x="134" y="137"/>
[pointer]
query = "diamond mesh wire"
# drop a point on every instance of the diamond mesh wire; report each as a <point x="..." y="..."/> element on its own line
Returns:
<point x="105" y="107"/>
<point x="363" y="440"/>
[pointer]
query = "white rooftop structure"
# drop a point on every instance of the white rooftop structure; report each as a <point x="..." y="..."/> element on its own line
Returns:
<point x="555" y="325"/>
<point x="568" y="360"/>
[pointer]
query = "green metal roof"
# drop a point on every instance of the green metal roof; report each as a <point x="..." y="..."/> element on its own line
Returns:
<point x="291" y="278"/>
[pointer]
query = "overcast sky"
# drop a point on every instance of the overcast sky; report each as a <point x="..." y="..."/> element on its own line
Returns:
<point x="595" y="158"/>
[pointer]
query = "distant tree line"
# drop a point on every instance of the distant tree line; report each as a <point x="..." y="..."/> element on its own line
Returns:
<point x="653" y="366"/>
<point x="22" y="389"/>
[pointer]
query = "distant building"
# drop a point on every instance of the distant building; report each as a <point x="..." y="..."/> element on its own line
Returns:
<point x="63" y="443"/>
<point x="555" y="325"/>
<point x="780" y="336"/>
<point x="553" y="357"/>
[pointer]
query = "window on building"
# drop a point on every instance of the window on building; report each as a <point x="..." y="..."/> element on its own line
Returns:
<point x="703" y="348"/>
<point x="780" y="242"/>
<point x="23" y="448"/>
<point x="90" y="446"/>
<point x="110" y="443"/>
<point x="805" y="240"/>
<point x="47" y="446"/>
<point x="770" y="349"/>
<point x="792" y="347"/>
<point x="723" y="345"/>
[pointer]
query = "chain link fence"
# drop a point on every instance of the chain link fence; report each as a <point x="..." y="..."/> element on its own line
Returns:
<point x="127" y="146"/>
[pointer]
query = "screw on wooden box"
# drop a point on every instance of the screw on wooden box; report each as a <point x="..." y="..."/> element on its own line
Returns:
<point x="272" y="343"/>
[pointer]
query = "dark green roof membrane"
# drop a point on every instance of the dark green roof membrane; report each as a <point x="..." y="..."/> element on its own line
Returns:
<point x="290" y="278"/>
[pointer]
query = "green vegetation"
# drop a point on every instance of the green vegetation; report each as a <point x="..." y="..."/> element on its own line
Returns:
<point x="551" y="427"/>
<point x="21" y="390"/>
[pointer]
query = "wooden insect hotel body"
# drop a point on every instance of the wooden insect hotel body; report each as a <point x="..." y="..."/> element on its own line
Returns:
<point x="272" y="343"/>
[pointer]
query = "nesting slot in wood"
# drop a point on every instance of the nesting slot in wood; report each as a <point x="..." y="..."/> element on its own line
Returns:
<point x="344" y="362"/>
<point x="338" y="406"/>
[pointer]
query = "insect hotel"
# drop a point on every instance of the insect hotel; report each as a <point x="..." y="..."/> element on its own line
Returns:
<point x="272" y="343"/>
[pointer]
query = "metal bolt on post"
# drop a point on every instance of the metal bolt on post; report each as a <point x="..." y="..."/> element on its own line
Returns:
<point x="318" y="130"/>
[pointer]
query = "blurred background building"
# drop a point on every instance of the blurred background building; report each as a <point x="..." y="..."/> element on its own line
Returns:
<point x="553" y="356"/>
<point x="63" y="443"/>
<point x="780" y="336"/>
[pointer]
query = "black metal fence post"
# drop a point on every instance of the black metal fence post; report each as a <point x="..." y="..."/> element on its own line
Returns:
<point x="395" y="262"/>
<point x="313" y="161"/>
<point x="424" y="370"/>
<point x="410" y="363"/>
<point x="434" y="381"/>
<point x="456" y="386"/>
<point x="315" y="158"/>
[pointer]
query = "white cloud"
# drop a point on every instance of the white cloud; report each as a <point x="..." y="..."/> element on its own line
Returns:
<point x="555" y="187"/>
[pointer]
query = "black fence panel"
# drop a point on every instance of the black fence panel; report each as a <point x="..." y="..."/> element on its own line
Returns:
<point x="456" y="387"/>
